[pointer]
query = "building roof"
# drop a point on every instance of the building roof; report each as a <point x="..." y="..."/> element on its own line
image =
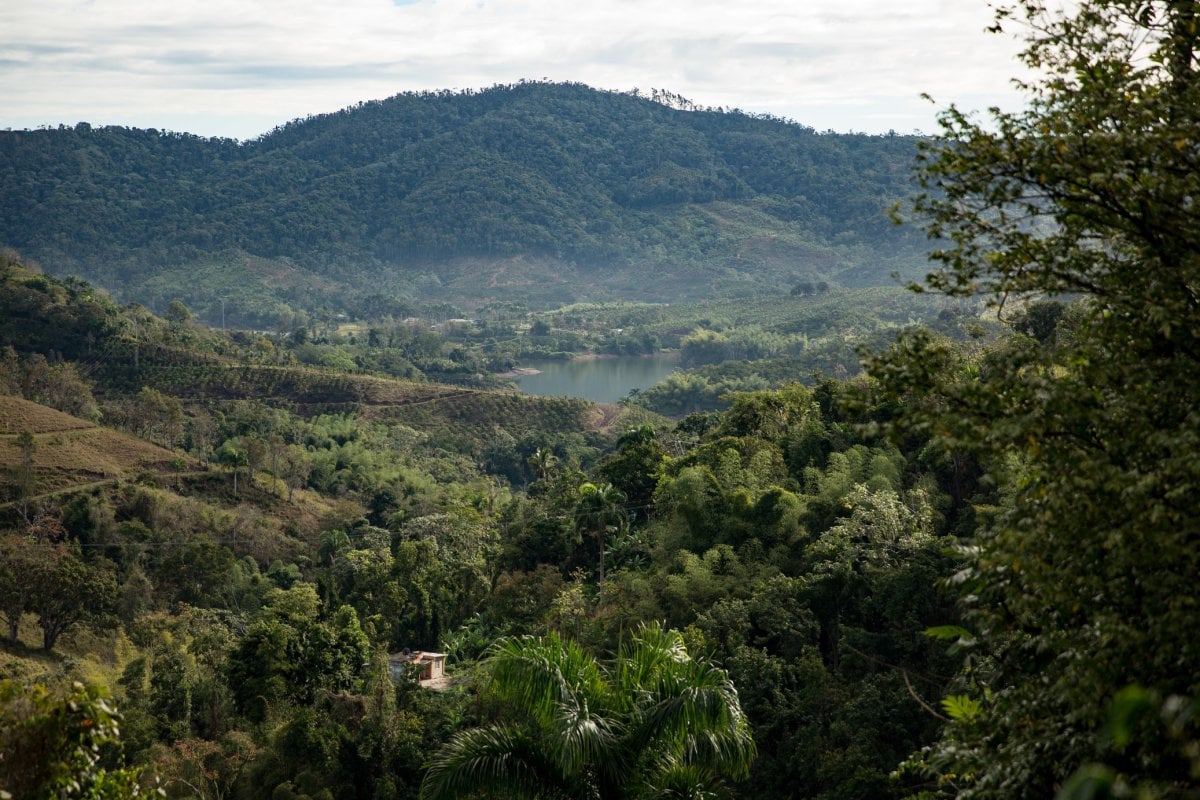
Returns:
<point x="415" y="656"/>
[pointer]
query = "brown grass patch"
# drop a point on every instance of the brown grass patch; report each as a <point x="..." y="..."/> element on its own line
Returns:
<point x="97" y="452"/>
<point x="70" y="452"/>
<point x="17" y="415"/>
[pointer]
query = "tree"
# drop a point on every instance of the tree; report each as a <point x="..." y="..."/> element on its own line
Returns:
<point x="1082" y="587"/>
<point x="26" y="474"/>
<point x="177" y="313"/>
<point x="50" y="744"/>
<point x="297" y="466"/>
<point x="67" y="591"/>
<point x="601" y="511"/>
<point x="543" y="462"/>
<point x="256" y="455"/>
<point x="233" y="456"/>
<point x="17" y="557"/>
<point x="291" y="653"/>
<point x="156" y="416"/>
<point x="635" y="468"/>
<point x="654" y="722"/>
<point x="52" y="582"/>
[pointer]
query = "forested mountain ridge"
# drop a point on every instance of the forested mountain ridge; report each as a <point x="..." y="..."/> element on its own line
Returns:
<point x="411" y="188"/>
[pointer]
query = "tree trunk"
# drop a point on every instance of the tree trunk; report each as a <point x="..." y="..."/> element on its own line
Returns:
<point x="50" y="633"/>
<point x="600" y="540"/>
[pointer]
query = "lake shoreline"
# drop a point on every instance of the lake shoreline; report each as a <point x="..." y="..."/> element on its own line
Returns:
<point x="518" y="372"/>
<point x="521" y="372"/>
<point x="599" y="377"/>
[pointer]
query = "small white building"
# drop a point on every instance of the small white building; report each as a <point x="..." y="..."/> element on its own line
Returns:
<point x="430" y="668"/>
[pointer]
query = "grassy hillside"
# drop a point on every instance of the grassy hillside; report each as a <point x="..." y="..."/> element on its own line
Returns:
<point x="69" y="452"/>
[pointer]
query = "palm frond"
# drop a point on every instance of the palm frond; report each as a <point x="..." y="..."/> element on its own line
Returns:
<point x="539" y="675"/>
<point x="582" y="738"/>
<point x="694" y="711"/>
<point x="660" y="724"/>
<point x="644" y="656"/>
<point x="676" y="781"/>
<point x="499" y="761"/>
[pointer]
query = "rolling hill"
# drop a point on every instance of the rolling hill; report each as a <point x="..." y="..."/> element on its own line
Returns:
<point x="540" y="192"/>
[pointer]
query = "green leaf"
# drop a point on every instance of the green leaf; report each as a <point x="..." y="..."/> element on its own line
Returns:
<point x="1090" y="782"/>
<point x="950" y="632"/>
<point x="961" y="708"/>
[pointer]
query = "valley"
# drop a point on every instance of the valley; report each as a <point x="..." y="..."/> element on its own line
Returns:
<point x="810" y="504"/>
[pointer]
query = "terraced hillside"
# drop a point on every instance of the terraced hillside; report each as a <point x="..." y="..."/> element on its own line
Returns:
<point x="69" y="453"/>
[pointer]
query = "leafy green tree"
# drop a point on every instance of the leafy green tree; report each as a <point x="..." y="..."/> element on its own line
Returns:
<point x="654" y="722"/>
<point x="543" y="462"/>
<point x="64" y="591"/>
<point x="155" y="416"/>
<point x="291" y="653"/>
<point x="601" y="512"/>
<point x="10" y="371"/>
<point x="18" y="555"/>
<point x="443" y="571"/>
<point x="50" y="745"/>
<point x="177" y="313"/>
<point x="634" y="469"/>
<point x="1083" y="584"/>
<point x="233" y="456"/>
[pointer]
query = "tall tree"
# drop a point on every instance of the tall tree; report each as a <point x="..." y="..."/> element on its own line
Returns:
<point x="654" y="722"/>
<point x="1083" y="587"/>
<point x="18" y="555"/>
<point x="67" y="591"/>
<point x="601" y="512"/>
<point x="26" y="474"/>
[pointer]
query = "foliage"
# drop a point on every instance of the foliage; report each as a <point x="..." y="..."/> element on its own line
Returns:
<point x="53" y="583"/>
<point x="1083" y="582"/>
<point x="657" y="720"/>
<point x="50" y="744"/>
<point x="291" y="654"/>
<point x="532" y="177"/>
<point x="784" y="539"/>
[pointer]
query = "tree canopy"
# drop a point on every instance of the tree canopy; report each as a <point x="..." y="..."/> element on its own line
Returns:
<point x="385" y="196"/>
<point x="654" y="722"/>
<point x="1081" y="588"/>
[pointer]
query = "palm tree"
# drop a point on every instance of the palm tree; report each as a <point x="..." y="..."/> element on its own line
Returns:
<point x="654" y="723"/>
<point x="601" y="511"/>
<point x="543" y="462"/>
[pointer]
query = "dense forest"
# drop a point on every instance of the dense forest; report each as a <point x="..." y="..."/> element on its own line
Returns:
<point x="543" y="192"/>
<point x="234" y="563"/>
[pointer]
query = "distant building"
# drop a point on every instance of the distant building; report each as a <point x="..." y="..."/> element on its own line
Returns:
<point x="430" y="668"/>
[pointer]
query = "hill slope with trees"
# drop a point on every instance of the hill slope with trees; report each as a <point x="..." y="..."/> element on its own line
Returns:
<point x="597" y="194"/>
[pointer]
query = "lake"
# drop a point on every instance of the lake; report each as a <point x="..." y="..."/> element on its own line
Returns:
<point x="602" y="380"/>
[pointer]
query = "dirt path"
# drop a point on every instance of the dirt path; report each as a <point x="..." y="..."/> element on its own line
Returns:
<point x="87" y="487"/>
<point x="602" y="417"/>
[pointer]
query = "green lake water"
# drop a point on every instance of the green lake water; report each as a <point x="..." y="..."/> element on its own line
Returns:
<point x="602" y="380"/>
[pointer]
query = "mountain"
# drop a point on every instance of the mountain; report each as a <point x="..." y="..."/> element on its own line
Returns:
<point x="536" y="191"/>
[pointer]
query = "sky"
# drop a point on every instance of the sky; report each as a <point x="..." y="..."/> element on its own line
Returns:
<point x="237" y="68"/>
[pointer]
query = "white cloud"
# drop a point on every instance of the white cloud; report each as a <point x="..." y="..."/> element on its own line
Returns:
<point x="237" y="67"/>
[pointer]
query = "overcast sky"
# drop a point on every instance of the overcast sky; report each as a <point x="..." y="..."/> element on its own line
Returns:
<point x="239" y="67"/>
